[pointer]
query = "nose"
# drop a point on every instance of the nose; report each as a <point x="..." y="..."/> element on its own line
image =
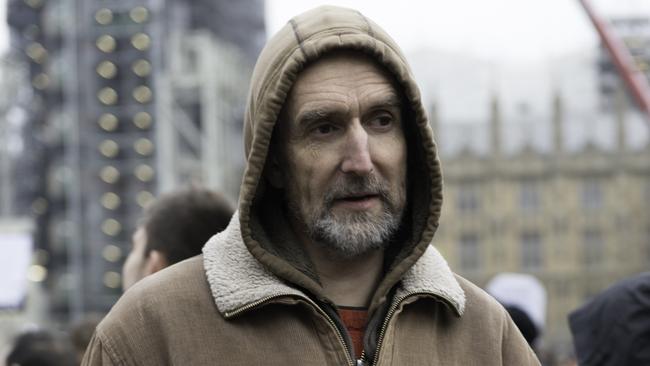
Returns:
<point x="356" y="153"/>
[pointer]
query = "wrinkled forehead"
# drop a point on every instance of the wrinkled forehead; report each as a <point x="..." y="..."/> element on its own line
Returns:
<point x="335" y="61"/>
<point x="323" y="82"/>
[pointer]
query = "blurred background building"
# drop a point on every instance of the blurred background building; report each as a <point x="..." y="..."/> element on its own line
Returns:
<point x="560" y="194"/>
<point x="116" y="102"/>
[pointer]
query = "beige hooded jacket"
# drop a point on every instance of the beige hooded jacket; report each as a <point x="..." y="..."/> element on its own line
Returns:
<point x="252" y="298"/>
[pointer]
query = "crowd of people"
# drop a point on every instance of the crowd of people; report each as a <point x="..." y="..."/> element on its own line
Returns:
<point x="327" y="259"/>
<point x="172" y="228"/>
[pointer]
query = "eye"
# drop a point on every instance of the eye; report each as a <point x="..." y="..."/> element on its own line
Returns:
<point x="382" y="121"/>
<point x="325" y="129"/>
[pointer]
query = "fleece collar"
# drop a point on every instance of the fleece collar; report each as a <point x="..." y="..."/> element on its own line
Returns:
<point x="237" y="279"/>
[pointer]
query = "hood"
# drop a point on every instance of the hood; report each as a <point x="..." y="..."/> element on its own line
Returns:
<point x="304" y="39"/>
<point x="614" y="327"/>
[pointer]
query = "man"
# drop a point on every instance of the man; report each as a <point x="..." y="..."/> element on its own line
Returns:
<point x="328" y="261"/>
<point x="174" y="227"/>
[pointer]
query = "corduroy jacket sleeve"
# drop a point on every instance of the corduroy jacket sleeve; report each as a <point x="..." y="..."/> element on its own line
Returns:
<point x="515" y="348"/>
<point x="98" y="353"/>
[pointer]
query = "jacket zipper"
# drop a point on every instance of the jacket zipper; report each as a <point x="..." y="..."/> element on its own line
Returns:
<point x="320" y="311"/>
<point x="362" y="360"/>
<point x="254" y="304"/>
<point x="382" y="332"/>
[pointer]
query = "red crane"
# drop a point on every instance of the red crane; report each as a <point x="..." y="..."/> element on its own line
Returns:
<point x="634" y="79"/>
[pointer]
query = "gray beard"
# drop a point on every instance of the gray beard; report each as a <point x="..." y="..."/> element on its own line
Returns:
<point x="353" y="234"/>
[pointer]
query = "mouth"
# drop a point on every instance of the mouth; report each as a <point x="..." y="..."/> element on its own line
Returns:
<point x="358" y="201"/>
<point x="357" y="196"/>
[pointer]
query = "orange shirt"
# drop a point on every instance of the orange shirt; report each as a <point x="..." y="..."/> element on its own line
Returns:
<point x="355" y="321"/>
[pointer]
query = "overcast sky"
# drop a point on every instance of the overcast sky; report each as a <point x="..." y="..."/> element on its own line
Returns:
<point x="509" y="31"/>
<point x="513" y="31"/>
<point x="4" y="32"/>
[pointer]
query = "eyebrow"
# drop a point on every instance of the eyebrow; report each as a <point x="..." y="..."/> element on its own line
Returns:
<point x="319" y="114"/>
<point x="390" y="101"/>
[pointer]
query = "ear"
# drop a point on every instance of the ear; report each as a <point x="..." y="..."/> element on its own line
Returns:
<point x="155" y="262"/>
<point x="273" y="173"/>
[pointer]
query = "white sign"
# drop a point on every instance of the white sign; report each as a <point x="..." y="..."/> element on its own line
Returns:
<point x="15" y="257"/>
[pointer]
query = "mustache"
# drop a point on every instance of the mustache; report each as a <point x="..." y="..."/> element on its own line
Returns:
<point x="355" y="185"/>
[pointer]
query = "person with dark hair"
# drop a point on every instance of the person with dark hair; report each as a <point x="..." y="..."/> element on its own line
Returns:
<point x="613" y="328"/>
<point x="174" y="227"/>
<point x="329" y="258"/>
<point x="524" y="298"/>
<point x="40" y="348"/>
<point x="525" y="324"/>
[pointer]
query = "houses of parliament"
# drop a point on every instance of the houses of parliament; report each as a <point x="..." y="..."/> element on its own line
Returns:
<point x="578" y="220"/>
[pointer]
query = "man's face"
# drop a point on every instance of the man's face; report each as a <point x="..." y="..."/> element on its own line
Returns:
<point x="344" y="154"/>
<point x="134" y="266"/>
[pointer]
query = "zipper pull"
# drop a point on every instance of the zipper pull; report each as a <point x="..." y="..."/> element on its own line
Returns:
<point x="362" y="360"/>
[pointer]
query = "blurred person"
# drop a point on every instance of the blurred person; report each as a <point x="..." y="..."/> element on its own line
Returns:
<point x="328" y="260"/>
<point x="173" y="228"/>
<point x="81" y="332"/>
<point x="613" y="328"/>
<point x="524" y="297"/>
<point x="41" y="348"/>
<point x="525" y="324"/>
